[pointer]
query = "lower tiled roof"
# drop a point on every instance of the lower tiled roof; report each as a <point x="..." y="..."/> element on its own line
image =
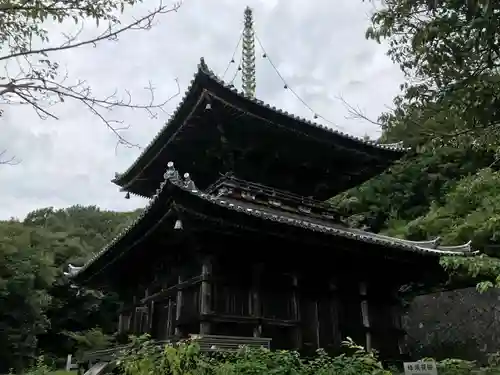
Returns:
<point x="172" y="177"/>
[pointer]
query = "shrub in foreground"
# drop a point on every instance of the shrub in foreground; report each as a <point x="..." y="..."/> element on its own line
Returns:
<point x="146" y="358"/>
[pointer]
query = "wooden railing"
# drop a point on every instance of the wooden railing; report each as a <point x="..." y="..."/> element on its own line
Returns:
<point x="230" y="343"/>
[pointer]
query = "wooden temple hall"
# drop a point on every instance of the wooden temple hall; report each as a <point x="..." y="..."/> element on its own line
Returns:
<point x="237" y="242"/>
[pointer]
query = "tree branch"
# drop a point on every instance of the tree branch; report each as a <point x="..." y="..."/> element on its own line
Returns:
<point x="38" y="83"/>
<point x="109" y="34"/>
<point x="7" y="160"/>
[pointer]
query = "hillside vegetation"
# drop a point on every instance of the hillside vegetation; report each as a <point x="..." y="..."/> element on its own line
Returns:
<point x="37" y="306"/>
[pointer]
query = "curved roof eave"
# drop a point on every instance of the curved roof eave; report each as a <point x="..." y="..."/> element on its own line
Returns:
<point x="148" y="154"/>
<point x="173" y="179"/>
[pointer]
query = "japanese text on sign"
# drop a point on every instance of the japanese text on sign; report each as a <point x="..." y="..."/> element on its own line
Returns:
<point x="420" y="368"/>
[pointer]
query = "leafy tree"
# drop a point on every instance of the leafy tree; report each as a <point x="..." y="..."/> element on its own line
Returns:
<point x="26" y="273"/>
<point x="27" y="43"/>
<point x="80" y="231"/>
<point x="38" y="307"/>
<point x="449" y="51"/>
<point x="447" y="112"/>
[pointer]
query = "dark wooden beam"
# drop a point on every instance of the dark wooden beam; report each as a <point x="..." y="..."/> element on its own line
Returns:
<point x="175" y="288"/>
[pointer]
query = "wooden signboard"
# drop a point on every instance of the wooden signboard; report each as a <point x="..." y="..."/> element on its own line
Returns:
<point x="420" y="368"/>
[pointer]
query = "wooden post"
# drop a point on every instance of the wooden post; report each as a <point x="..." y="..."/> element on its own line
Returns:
<point x="133" y="316"/>
<point x="316" y="323"/>
<point x="146" y="314"/>
<point x="256" y="306"/>
<point x="120" y="323"/>
<point x="168" y="312"/>
<point x="397" y="315"/>
<point x="334" y="314"/>
<point x="125" y="318"/>
<point x="365" y="315"/>
<point x="178" y="310"/>
<point x="151" y="309"/>
<point x="205" y="296"/>
<point x="296" y="311"/>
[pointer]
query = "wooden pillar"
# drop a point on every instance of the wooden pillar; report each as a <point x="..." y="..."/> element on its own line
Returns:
<point x="168" y="312"/>
<point x="296" y="312"/>
<point x="256" y="299"/>
<point x="205" y="296"/>
<point x="120" y="323"/>
<point x="397" y="312"/>
<point x="133" y="316"/>
<point x="316" y="324"/>
<point x="365" y="315"/>
<point x="151" y="310"/>
<point x="146" y="318"/>
<point x="125" y="322"/>
<point x="178" y="310"/>
<point x="334" y="314"/>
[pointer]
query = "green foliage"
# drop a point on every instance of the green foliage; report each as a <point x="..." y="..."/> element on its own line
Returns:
<point x="462" y="367"/>
<point x="448" y="111"/>
<point x="449" y="51"/>
<point x="26" y="273"/>
<point x="93" y="339"/>
<point x="408" y="189"/>
<point x="185" y="358"/>
<point x="40" y="367"/>
<point x="469" y="210"/>
<point x="37" y="305"/>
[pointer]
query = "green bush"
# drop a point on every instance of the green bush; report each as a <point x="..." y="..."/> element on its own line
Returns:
<point x="461" y="367"/>
<point x="185" y="358"/>
<point x="145" y="357"/>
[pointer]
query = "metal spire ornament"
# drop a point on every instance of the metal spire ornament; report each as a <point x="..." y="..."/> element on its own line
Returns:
<point x="248" y="55"/>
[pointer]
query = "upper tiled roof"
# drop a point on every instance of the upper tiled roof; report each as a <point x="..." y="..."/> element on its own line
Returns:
<point x="204" y="74"/>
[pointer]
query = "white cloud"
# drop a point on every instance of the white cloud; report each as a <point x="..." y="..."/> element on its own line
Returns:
<point x="318" y="46"/>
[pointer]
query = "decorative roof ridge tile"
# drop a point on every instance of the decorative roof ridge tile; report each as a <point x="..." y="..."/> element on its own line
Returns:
<point x="72" y="270"/>
<point x="205" y="70"/>
<point x="466" y="247"/>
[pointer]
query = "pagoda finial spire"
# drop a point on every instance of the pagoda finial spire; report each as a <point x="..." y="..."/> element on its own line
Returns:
<point x="248" y="55"/>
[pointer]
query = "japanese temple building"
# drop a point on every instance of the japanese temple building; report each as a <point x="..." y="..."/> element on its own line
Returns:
<point x="237" y="242"/>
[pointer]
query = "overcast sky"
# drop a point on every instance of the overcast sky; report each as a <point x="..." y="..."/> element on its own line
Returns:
<point x="318" y="46"/>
